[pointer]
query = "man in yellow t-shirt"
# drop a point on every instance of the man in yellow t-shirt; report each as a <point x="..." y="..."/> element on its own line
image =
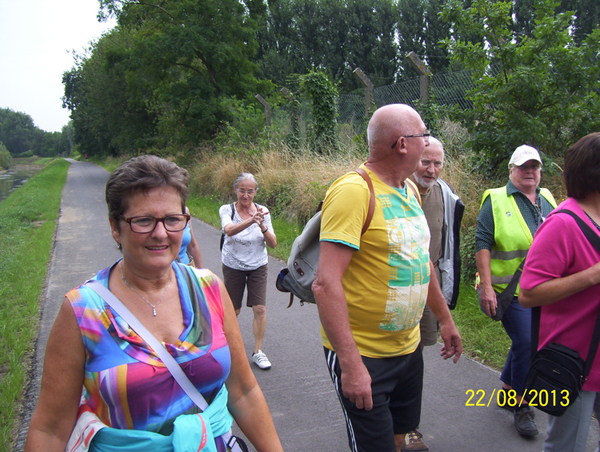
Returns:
<point x="371" y="289"/>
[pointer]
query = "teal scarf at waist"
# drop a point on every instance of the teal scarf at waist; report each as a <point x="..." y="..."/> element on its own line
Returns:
<point x="192" y="432"/>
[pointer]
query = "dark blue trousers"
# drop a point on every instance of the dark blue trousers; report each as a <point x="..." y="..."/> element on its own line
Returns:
<point x="517" y="323"/>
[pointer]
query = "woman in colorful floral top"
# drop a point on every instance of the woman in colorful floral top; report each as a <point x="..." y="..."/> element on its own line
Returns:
<point x="133" y="400"/>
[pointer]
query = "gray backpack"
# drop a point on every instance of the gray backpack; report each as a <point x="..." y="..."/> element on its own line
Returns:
<point x="298" y="276"/>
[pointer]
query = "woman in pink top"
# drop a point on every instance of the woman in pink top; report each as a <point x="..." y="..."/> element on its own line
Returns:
<point x="562" y="275"/>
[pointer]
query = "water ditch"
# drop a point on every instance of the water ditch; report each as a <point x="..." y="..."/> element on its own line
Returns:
<point x="15" y="177"/>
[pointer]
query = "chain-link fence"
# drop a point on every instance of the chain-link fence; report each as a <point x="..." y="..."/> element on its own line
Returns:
<point x="450" y="88"/>
<point x="446" y="89"/>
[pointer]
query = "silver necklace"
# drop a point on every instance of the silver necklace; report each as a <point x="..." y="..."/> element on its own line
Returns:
<point x="143" y="298"/>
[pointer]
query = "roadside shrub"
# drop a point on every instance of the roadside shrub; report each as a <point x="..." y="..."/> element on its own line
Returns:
<point x="5" y="157"/>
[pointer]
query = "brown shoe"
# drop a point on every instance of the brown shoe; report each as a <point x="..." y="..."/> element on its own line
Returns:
<point x="413" y="442"/>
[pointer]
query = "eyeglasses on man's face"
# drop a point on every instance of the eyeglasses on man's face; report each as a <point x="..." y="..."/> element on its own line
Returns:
<point x="145" y="225"/>
<point x="436" y="163"/>
<point x="242" y="191"/>
<point x="425" y="135"/>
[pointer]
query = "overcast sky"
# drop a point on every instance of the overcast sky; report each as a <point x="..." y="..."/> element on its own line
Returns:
<point x="36" y="40"/>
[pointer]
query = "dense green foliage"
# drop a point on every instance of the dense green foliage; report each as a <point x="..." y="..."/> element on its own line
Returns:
<point x="162" y="77"/>
<point x="337" y="36"/>
<point x="168" y="74"/>
<point x="333" y="36"/>
<point x="324" y="100"/>
<point x="20" y="136"/>
<point x="27" y="223"/>
<point x="540" y="89"/>
<point x="5" y="157"/>
<point x="420" y="28"/>
<point x="586" y="20"/>
<point x="177" y="73"/>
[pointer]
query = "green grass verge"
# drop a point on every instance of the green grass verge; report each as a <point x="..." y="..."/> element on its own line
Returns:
<point x="483" y="339"/>
<point x="27" y="224"/>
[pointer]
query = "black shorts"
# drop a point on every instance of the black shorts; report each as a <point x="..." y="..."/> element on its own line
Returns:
<point x="397" y="386"/>
<point x="255" y="281"/>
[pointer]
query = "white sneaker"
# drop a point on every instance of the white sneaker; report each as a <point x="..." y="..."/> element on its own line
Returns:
<point x="261" y="360"/>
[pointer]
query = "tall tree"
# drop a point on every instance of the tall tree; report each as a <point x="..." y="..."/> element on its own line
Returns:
<point x="586" y="16"/>
<point x="540" y="90"/>
<point x="331" y="36"/>
<point x="371" y="42"/>
<point x="172" y="62"/>
<point x="277" y="40"/>
<point x="420" y="30"/>
<point x="19" y="134"/>
<point x="109" y="102"/>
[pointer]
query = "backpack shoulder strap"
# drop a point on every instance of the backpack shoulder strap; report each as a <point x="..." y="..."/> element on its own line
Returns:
<point x="371" y="210"/>
<point x="587" y="231"/>
<point x="413" y="188"/>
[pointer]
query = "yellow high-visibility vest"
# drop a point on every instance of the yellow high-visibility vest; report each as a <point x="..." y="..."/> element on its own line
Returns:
<point x="512" y="237"/>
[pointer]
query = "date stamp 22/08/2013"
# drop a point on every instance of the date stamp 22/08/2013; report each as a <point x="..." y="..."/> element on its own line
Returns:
<point x="543" y="398"/>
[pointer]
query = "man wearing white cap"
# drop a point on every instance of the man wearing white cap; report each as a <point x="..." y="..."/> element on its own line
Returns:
<point x="507" y="222"/>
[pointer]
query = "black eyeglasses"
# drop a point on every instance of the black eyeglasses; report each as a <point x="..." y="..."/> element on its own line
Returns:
<point x="145" y="225"/>
<point x="425" y="135"/>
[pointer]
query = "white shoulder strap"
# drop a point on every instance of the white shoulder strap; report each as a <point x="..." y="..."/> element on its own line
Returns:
<point x="163" y="354"/>
<point x="160" y="350"/>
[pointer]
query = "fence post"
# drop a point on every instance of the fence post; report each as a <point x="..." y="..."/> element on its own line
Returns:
<point x="368" y="84"/>
<point x="267" y="109"/>
<point x="423" y="72"/>
<point x="294" y="114"/>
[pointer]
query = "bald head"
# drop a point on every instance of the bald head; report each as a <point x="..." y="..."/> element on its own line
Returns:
<point x="397" y="137"/>
<point x="390" y="122"/>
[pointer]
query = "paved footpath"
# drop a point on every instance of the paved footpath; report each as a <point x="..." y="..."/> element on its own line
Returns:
<point x="298" y="389"/>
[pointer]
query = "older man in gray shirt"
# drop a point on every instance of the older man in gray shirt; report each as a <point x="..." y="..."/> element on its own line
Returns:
<point x="443" y="211"/>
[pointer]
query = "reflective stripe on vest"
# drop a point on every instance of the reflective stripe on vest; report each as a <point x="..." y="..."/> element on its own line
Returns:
<point x="512" y="237"/>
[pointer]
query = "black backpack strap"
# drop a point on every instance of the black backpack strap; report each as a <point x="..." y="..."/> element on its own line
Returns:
<point x="587" y="231"/>
<point x="536" y="313"/>
<point x="223" y="232"/>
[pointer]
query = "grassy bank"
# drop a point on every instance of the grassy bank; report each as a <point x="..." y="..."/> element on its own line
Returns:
<point x="27" y="224"/>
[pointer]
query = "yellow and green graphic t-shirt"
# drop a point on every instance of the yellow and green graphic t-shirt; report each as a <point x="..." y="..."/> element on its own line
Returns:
<point x="387" y="279"/>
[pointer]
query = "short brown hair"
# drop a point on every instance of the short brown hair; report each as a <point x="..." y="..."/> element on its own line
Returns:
<point x="582" y="167"/>
<point x="140" y="175"/>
